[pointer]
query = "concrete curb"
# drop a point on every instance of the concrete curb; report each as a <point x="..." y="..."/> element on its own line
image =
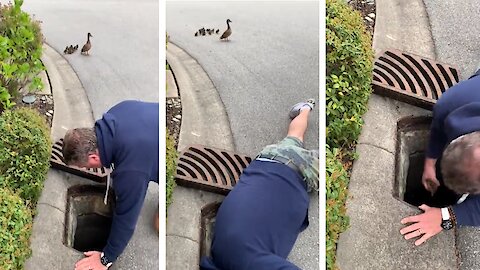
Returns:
<point x="373" y="240"/>
<point x="204" y="121"/>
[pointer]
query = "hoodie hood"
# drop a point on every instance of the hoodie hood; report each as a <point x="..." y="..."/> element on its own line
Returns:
<point x="464" y="120"/>
<point x="105" y="131"/>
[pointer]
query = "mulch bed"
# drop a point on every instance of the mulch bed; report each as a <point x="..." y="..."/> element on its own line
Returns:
<point x="367" y="9"/>
<point x="43" y="104"/>
<point x="174" y="117"/>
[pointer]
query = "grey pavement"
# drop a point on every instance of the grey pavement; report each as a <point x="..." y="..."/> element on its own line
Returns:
<point x="455" y="27"/>
<point x="270" y="63"/>
<point x="373" y="240"/>
<point x="123" y="62"/>
<point x="48" y="251"/>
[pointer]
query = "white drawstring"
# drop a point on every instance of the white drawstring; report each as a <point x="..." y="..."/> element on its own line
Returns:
<point x="108" y="185"/>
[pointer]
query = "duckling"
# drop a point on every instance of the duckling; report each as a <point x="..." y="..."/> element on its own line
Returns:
<point x="216" y="32"/>
<point x="70" y="49"/>
<point x="227" y="32"/>
<point x="196" y="34"/>
<point x="75" y="47"/>
<point x="210" y="32"/>
<point x="66" y="50"/>
<point x="87" y="45"/>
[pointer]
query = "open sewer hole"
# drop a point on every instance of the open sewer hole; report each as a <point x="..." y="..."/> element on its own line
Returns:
<point x="207" y="226"/>
<point x="88" y="219"/>
<point x="412" y="138"/>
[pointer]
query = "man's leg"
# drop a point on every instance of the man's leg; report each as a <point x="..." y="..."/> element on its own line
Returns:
<point x="298" y="126"/>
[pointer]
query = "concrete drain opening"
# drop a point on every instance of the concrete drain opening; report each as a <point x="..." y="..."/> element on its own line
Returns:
<point x="88" y="219"/>
<point x="207" y="225"/>
<point x="412" y="138"/>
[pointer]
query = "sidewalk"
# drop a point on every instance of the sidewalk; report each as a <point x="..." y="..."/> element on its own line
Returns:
<point x="72" y="109"/>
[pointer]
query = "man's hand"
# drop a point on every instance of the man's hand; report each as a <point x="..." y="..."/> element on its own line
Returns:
<point x="91" y="262"/>
<point x="429" y="177"/>
<point x="425" y="225"/>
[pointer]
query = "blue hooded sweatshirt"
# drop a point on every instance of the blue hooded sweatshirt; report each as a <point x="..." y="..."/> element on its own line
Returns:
<point x="259" y="221"/>
<point x="127" y="137"/>
<point x="457" y="113"/>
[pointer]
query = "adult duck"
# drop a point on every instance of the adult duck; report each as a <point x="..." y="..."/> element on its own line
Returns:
<point x="87" y="45"/>
<point x="227" y="32"/>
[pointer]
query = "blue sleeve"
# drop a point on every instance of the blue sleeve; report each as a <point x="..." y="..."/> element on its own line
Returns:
<point x="130" y="190"/>
<point x="468" y="212"/>
<point x="438" y="138"/>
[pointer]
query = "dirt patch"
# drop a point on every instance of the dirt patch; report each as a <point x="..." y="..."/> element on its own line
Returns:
<point x="174" y="117"/>
<point x="367" y="9"/>
<point x="43" y="104"/>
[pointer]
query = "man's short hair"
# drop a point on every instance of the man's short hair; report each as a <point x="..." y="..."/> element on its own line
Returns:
<point x="78" y="143"/>
<point x="460" y="164"/>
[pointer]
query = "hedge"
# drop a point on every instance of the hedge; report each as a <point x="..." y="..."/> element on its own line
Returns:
<point x="15" y="231"/>
<point x="25" y="149"/>
<point x="171" y="166"/>
<point x="20" y="51"/>
<point x="349" y="63"/>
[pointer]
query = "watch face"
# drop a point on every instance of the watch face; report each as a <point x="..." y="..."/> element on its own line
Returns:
<point x="447" y="224"/>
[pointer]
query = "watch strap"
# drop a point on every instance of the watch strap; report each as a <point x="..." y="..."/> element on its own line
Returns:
<point x="105" y="261"/>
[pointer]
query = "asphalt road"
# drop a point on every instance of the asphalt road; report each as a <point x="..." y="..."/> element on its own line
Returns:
<point x="123" y="61"/>
<point x="455" y="26"/>
<point x="269" y="64"/>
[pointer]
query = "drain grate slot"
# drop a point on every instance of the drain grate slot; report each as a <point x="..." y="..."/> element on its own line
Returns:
<point x="58" y="162"/>
<point x="411" y="78"/>
<point x="210" y="169"/>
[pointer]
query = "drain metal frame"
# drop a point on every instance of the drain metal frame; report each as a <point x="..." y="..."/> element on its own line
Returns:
<point x="74" y="192"/>
<point x="411" y="78"/>
<point x="210" y="169"/>
<point x="208" y="212"/>
<point x="58" y="162"/>
<point x="408" y="128"/>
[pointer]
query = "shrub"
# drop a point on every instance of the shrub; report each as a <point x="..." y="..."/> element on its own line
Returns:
<point x="336" y="195"/>
<point x="15" y="230"/>
<point x="25" y="149"/>
<point x="349" y="72"/>
<point x="20" y="51"/>
<point x="349" y="62"/>
<point x="171" y="163"/>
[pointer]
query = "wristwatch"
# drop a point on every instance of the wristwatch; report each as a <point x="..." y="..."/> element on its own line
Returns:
<point x="447" y="223"/>
<point x="105" y="261"/>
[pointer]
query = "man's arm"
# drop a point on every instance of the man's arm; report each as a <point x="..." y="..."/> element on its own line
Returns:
<point x="130" y="190"/>
<point x="468" y="212"/>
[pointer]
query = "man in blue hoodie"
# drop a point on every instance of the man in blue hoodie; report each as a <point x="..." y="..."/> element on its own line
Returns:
<point x="454" y="153"/>
<point x="127" y="140"/>
<point x="259" y="221"/>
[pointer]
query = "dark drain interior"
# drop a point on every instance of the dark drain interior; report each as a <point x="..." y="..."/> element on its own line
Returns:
<point x="92" y="232"/>
<point x="412" y="137"/>
<point x="88" y="219"/>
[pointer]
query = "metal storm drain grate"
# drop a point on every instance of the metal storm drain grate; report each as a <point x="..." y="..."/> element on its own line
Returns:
<point x="57" y="161"/>
<point x="210" y="169"/>
<point x="411" y="78"/>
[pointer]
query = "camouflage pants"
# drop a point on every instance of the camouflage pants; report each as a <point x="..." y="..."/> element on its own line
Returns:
<point x="291" y="148"/>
